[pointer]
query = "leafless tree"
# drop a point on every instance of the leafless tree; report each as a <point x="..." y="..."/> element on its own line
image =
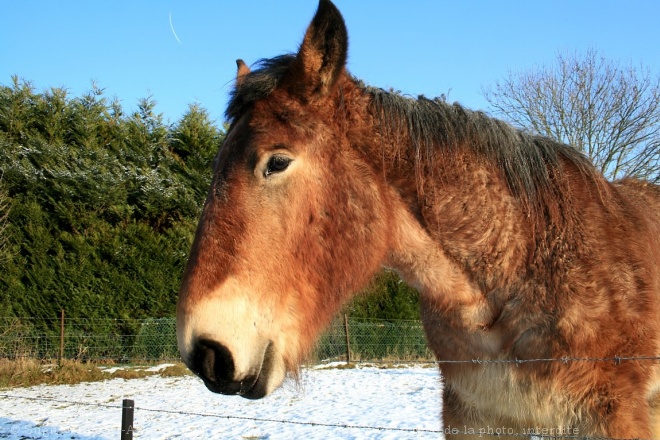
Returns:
<point x="609" y="111"/>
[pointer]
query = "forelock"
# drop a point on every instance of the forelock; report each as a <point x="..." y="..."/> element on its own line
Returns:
<point x="257" y="84"/>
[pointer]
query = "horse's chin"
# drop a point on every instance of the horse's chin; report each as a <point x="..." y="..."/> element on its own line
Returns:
<point x="252" y="387"/>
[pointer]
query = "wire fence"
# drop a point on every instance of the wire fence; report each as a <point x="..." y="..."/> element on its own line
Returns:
<point x="119" y="340"/>
<point x="155" y="339"/>
<point x="127" y="341"/>
<point x="127" y="426"/>
<point x="47" y="400"/>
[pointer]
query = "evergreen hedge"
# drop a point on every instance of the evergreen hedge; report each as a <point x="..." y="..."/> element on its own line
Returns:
<point x="98" y="208"/>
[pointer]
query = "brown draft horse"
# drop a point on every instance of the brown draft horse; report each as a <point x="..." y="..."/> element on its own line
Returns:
<point x="518" y="247"/>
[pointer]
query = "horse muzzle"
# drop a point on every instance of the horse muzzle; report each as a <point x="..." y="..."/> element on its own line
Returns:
<point x="214" y="364"/>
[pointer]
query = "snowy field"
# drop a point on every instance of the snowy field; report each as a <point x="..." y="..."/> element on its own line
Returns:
<point x="400" y="400"/>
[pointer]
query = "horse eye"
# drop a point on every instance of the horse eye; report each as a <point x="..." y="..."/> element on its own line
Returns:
<point x="276" y="164"/>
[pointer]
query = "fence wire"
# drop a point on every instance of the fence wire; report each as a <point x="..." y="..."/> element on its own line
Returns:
<point x="154" y="339"/>
<point x="364" y="340"/>
<point x="481" y="433"/>
<point x="120" y="340"/>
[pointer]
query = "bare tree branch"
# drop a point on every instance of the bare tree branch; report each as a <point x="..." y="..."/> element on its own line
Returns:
<point x="609" y="111"/>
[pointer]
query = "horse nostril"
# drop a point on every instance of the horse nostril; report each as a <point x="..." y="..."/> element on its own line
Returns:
<point x="213" y="362"/>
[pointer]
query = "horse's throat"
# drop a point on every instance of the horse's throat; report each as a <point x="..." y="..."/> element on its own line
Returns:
<point x="445" y="287"/>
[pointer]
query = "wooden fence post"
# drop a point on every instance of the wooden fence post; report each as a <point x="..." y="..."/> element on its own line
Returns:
<point x="61" y="356"/>
<point x="348" y="340"/>
<point x="127" y="408"/>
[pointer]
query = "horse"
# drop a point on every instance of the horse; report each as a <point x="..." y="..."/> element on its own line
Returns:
<point x="525" y="257"/>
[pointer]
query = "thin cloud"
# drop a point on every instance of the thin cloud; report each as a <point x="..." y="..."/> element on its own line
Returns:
<point x="173" y="31"/>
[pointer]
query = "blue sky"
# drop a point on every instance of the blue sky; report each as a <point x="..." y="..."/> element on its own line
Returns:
<point x="133" y="49"/>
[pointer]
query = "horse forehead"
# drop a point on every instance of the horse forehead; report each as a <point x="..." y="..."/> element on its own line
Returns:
<point x="235" y="142"/>
<point x="277" y="121"/>
<point x="249" y="137"/>
<point x="286" y="114"/>
<point x="250" y="132"/>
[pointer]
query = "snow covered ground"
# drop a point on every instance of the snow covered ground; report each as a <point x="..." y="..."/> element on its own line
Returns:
<point x="400" y="400"/>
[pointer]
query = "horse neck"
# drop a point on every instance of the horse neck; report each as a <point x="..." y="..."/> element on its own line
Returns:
<point x="455" y="209"/>
<point x="456" y="199"/>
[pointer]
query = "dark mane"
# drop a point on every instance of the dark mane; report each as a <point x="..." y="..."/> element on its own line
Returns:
<point x="527" y="161"/>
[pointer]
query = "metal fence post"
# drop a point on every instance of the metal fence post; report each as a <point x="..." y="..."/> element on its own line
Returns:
<point x="348" y="340"/>
<point x="127" y="408"/>
<point x="61" y="357"/>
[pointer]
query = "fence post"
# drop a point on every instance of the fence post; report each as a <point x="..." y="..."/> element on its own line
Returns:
<point x="61" y="356"/>
<point x="127" y="407"/>
<point x="348" y="340"/>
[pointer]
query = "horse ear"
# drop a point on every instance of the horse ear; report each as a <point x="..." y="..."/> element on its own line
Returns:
<point x="322" y="54"/>
<point x="242" y="71"/>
